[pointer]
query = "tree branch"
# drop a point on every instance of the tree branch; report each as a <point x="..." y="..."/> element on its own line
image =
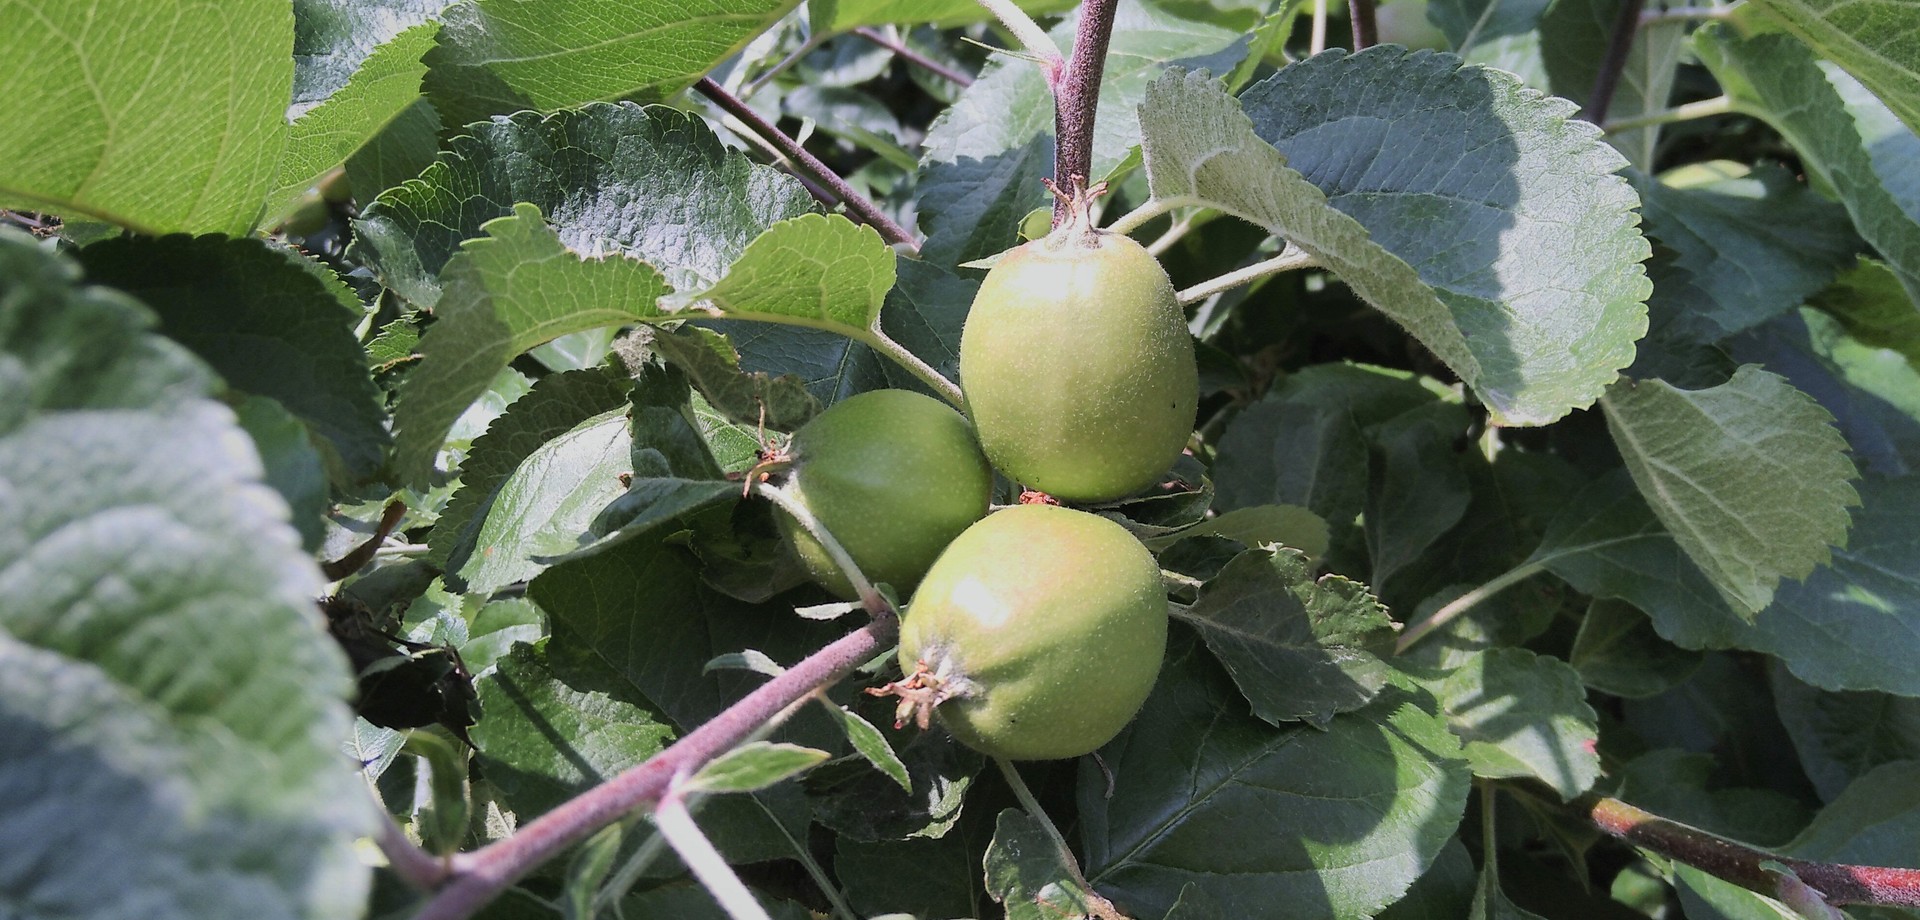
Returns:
<point x="1625" y="26"/>
<point x="1366" y="29"/>
<point x="901" y="51"/>
<point x="480" y="876"/>
<point x="1076" y="100"/>
<point x="1745" y="866"/>
<point x="867" y="211"/>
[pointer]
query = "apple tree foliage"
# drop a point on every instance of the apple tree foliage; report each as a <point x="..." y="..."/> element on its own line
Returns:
<point x="378" y="379"/>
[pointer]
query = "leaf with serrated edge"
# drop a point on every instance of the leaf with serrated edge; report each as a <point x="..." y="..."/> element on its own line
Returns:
<point x="1349" y="815"/>
<point x="754" y="766"/>
<point x="547" y="506"/>
<point x="1870" y="40"/>
<point x="500" y="56"/>
<point x="1522" y="714"/>
<point x="1840" y="130"/>
<point x="873" y="746"/>
<point x="1027" y="872"/>
<point x="159" y="115"/>
<point x="1750" y="476"/>
<point x="171" y="709"/>
<point x="1296" y="647"/>
<point x="1501" y="202"/>
<point x="512" y="289"/>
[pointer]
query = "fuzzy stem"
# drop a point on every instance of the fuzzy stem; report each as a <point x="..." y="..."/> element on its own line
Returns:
<point x="869" y="595"/>
<point x="694" y="849"/>
<point x="415" y="866"/>
<point x="1745" y="866"/>
<point x="857" y="203"/>
<point x="480" y="876"/>
<point x="1465" y="602"/>
<point x="1032" y="806"/>
<point x="1317" y="38"/>
<point x="1288" y="260"/>
<point x="1366" y="30"/>
<point x="1625" y="26"/>
<point x="936" y="381"/>
<point x="901" y="51"/>
<point x="1028" y="33"/>
<point x="1718" y="105"/>
<point x="1138" y="217"/>
<point x="1076" y="101"/>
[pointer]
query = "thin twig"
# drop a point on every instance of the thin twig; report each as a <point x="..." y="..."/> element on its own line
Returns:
<point x="415" y="866"/>
<point x="760" y="82"/>
<point x="901" y="51"/>
<point x="708" y="866"/>
<point x="869" y="596"/>
<point x="1718" y="105"/>
<point x="1465" y="602"/>
<point x="1625" y="26"/>
<point x="480" y="876"/>
<point x="1745" y="866"/>
<point x="1076" y="100"/>
<point x="857" y="203"/>
<point x="1289" y="259"/>
<point x="1366" y="29"/>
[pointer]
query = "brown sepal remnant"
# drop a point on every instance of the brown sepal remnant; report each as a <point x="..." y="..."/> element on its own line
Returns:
<point x="1036" y="497"/>
<point x="918" y="693"/>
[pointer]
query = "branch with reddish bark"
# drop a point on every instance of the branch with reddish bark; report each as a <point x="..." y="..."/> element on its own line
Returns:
<point x="1748" y="867"/>
<point x="822" y="174"/>
<point x="1613" y="64"/>
<point x="1076" y="100"/>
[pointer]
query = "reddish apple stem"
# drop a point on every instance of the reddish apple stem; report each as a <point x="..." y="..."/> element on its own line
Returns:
<point x="1625" y="26"/>
<point x="869" y="213"/>
<point x="480" y="876"/>
<point x="1744" y="865"/>
<point x="1366" y="30"/>
<point x="1076" y="99"/>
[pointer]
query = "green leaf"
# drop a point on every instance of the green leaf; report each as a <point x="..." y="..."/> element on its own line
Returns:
<point x="918" y="877"/>
<point x="1842" y="133"/>
<point x="872" y="746"/>
<point x="1866" y="41"/>
<point x="556" y="405"/>
<point x="1873" y="823"/>
<point x="859" y="803"/>
<point x="1257" y="526"/>
<point x="822" y="271"/>
<point x="158" y="115"/>
<point x="1840" y="629"/>
<point x="271" y="321"/>
<point x="1687" y="787"/>
<point x="1444" y="892"/>
<point x="1348" y="816"/>
<point x="1708" y="897"/>
<point x="501" y="56"/>
<point x="1873" y="308"/>
<point x="513" y="289"/>
<point x="1494" y="230"/>
<point x="985" y="156"/>
<point x="401" y="151"/>
<point x="1522" y="714"/>
<point x="547" y="506"/>
<point x="292" y="465"/>
<point x="549" y="734"/>
<point x="1842" y="736"/>
<point x="1618" y="651"/>
<point x="674" y="473"/>
<point x="649" y="183"/>
<point x="1750" y="477"/>
<point x="171" y="710"/>
<point x="1416" y="493"/>
<point x="1027" y="872"/>
<point x="710" y="362"/>
<point x="1759" y="245"/>
<point x="1298" y="648"/>
<point x="1491" y="903"/>
<point x="324" y="136"/>
<point x="754" y="766"/>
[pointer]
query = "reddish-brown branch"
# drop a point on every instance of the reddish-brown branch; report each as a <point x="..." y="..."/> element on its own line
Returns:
<point x="1076" y="99"/>
<point x="358" y="558"/>
<point x="901" y="51"/>
<point x="869" y="213"/>
<point x="1743" y="865"/>
<point x="1366" y="29"/>
<point x="480" y="876"/>
<point x="1625" y="26"/>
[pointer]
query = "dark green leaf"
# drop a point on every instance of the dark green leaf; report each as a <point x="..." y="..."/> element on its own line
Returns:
<point x="160" y="115"/>
<point x="872" y="746"/>
<point x="1444" y="892"/>
<point x="1750" y="477"/>
<point x="782" y="403"/>
<point x="1617" y="651"/>
<point x="545" y="738"/>
<point x="1416" y="492"/>
<point x="1298" y="648"/>
<point x="920" y="877"/>
<point x="1870" y="303"/>
<point x="1873" y="823"/>
<point x="1842" y="736"/>
<point x="501" y="56"/>
<point x="863" y="804"/>
<point x="1682" y="786"/>
<point x="272" y="322"/>
<point x="1537" y="307"/>
<point x="1348" y="817"/>
<point x="1028" y="872"/>
<point x="1864" y="39"/>
<point x="293" y="467"/>
<point x="171" y="711"/>
<point x="1522" y="714"/>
